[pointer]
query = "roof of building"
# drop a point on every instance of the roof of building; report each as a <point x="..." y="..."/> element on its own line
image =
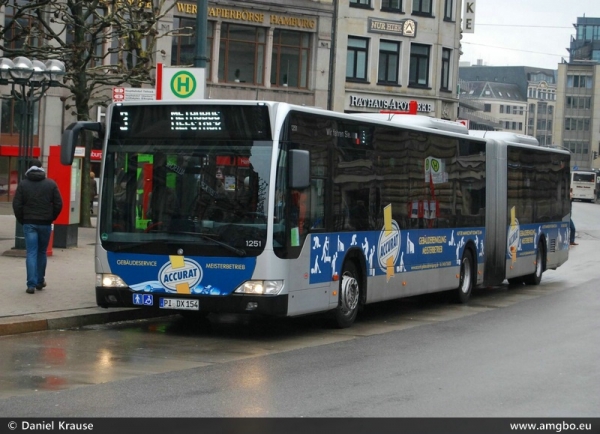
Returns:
<point x="491" y="90"/>
<point x="519" y="75"/>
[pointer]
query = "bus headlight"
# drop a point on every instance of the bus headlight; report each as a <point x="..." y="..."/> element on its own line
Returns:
<point x="260" y="287"/>
<point x="110" y="281"/>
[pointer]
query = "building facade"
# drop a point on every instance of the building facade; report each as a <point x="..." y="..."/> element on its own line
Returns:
<point x="577" y="125"/>
<point x="389" y="52"/>
<point x="522" y="98"/>
<point x="351" y="55"/>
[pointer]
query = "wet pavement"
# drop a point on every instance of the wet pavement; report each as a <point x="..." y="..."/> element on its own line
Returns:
<point x="69" y="298"/>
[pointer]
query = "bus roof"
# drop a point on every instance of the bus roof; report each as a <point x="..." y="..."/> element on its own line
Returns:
<point x="506" y="136"/>
<point x="417" y="121"/>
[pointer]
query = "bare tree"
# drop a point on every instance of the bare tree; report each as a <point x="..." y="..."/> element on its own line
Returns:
<point x="102" y="43"/>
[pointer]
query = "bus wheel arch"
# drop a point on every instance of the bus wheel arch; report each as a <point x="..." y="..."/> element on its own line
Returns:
<point x="468" y="275"/>
<point x="540" y="264"/>
<point x="352" y="291"/>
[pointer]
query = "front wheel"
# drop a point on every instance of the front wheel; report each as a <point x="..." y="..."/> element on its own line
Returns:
<point x="536" y="277"/>
<point x="349" y="297"/>
<point x="467" y="273"/>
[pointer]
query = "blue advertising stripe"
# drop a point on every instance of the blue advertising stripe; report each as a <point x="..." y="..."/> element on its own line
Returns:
<point x="404" y="250"/>
<point x="201" y="275"/>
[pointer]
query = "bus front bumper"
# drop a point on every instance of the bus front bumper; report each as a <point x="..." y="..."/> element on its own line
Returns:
<point x="235" y="303"/>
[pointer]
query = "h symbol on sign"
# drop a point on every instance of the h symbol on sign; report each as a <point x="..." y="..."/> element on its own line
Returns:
<point x="183" y="82"/>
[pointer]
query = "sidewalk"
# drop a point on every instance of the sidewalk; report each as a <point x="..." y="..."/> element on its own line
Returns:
<point x="68" y="301"/>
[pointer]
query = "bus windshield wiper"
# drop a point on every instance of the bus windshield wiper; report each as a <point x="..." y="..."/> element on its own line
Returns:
<point x="239" y="252"/>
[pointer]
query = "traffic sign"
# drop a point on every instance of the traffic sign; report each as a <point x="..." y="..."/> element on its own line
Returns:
<point x="120" y="94"/>
<point x="177" y="84"/>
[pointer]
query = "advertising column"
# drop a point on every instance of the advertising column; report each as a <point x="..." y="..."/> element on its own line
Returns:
<point x="68" y="179"/>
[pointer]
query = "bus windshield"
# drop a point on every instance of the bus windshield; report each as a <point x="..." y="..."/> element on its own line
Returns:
<point x="190" y="184"/>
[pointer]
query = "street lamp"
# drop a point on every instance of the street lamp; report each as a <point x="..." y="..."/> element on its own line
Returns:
<point x="29" y="81"/>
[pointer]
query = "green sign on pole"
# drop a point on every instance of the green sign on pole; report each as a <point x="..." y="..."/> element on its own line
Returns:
<point x="183" y="84"/>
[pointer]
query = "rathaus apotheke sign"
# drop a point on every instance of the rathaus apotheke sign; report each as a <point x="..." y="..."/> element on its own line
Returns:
<point x="387" y="104"/>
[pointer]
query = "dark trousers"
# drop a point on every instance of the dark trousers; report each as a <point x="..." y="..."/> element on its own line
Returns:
<point x="572" y="232"/>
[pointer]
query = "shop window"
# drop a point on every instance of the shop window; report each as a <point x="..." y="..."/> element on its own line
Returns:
<point x="242" y="54"/>
<point x="290" y="60"/>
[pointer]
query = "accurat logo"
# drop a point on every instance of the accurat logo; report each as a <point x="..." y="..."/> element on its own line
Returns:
<point x="513" y="238"/>
<point x="180" y="274"/>
<point x="388" y="247"/>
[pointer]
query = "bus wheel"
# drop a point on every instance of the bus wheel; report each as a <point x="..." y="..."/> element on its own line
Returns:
<point x="536" y="277"/>
<point x="345" y="313"/>
<point x="465" y="285"/>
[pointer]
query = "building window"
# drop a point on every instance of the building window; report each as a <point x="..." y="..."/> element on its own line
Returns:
<point x="419" y="65"/>
<point x="356" y="58"/>
<point x="391" y="5"/>
<point x="487" y="108"/>
<point x="12" y="115"/>
<point x="541" y="124"/>
<point x="542" y="108"/>
<point x="290" y="60"/>
<point x="520" y="126"/>
<point x="448" y="10"/>
<point x="421" y="7"/>
<point x="183" y="43"/>
<point x="501" y="108"/>
<point x="21" y="30"/>
<point x="579" y="81"/>
<point x="360" y="3"/>
<point x="446" y="69"/>
<point x="242" y="54"/>
<point x="388" y="62"/>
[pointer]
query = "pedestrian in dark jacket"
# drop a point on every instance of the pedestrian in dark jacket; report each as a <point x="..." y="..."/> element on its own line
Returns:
<point x="37" y="203"/>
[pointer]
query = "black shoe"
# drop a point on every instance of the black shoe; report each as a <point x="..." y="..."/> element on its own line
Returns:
<point x="40" y="286"/>
<point x="30" y="290"/>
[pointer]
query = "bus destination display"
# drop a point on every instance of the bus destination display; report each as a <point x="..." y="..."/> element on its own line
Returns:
<point x="196" y="120"/>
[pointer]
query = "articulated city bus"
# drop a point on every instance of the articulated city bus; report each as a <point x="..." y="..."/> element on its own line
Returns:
<point x="268" y="208"/>
<point x="583" y="185"/>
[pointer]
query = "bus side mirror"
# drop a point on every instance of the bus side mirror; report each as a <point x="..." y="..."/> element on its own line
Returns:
<point x="299" y="169"/>
<point x="70" y="137"/>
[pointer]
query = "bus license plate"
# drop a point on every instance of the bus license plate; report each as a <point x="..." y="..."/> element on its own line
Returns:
<point x="178" y="303"/>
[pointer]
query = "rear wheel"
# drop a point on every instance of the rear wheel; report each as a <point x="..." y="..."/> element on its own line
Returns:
<point x="345" y="314"/>
<point x="467" y="273"/>
<point x="536" y="277"/>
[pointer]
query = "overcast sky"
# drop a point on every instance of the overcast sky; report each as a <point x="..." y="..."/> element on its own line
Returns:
<point x="532" y="33"/>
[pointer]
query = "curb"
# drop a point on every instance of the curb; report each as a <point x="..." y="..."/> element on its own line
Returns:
<point x="72" y="319"/>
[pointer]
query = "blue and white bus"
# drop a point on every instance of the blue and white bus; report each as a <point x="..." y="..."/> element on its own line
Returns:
<point x="268" y="208"/>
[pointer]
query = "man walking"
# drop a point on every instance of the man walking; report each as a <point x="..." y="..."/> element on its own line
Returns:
<point x="37" y="203"/>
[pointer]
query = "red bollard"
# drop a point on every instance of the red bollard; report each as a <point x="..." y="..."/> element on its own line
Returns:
<point x="49" y="249"/>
